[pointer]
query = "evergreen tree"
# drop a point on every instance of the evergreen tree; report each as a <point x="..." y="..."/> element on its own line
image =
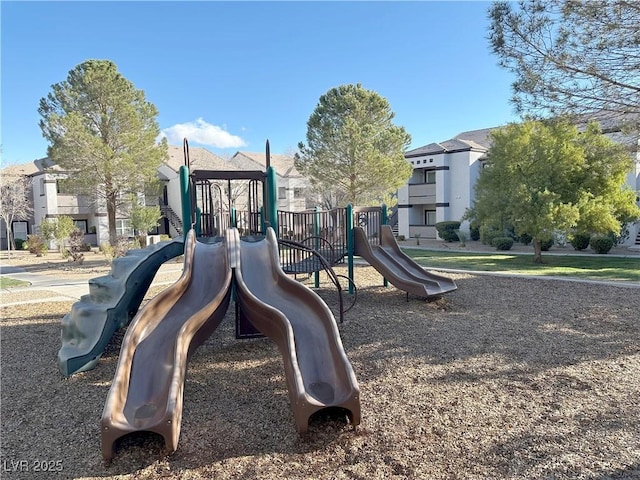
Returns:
<point x="103" y="132"/>
<point x="353" y="149"/>
<point x="570" y="56"/>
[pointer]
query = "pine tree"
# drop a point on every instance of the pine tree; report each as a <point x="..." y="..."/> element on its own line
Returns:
<point x="103" y="132"/>
<point x="353" y="149"/>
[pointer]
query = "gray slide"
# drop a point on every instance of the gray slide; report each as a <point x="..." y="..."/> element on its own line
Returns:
<point x="296" y="319"/>
<point x="147" y="389"/>
<point x="402" y="271"/>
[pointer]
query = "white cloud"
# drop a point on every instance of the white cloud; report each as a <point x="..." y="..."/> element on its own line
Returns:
<point x="202" y="133"/>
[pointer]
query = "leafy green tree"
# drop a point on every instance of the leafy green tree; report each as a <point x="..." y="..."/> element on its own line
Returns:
<point x="47" y="230"/>
<point x="58" y="229"/>
<point x="144" y="218"/>
<point x="570" y="56"/>
<point x="547" y="176"/>
<point x="353" y="149"/>
<point x="103" y="132"/>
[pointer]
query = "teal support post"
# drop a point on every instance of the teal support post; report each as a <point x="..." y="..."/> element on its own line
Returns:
<point x="383" y="221"/>
<point x="272" y="200"/>
<point x="316" y="232"/>
<point x="350" y="252"/>
<point x="185" y="200"/>
<point x="198" y="226"/>
<point x="232" y="219"/>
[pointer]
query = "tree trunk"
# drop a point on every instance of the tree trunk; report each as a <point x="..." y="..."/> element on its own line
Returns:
<point x="111" y="218"/>
<point x="537" y="251"/>
<point x="9" y="242"/>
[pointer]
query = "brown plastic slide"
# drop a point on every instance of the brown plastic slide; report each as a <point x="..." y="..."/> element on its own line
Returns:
<point x="402" y="271"/>
<point x="318" y="373"/>
<point x="147" y="390"/>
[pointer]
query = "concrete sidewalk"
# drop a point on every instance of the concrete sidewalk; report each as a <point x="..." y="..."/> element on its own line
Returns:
<point x="66" y="289"/>
<point x="73" y="289"/>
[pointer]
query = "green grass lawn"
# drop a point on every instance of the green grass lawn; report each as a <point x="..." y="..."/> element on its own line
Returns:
<point x="586" y="267"/>
<point x="6" y="282"/>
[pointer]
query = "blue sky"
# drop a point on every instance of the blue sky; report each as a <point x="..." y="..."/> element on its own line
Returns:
<point x="230" y="75"/>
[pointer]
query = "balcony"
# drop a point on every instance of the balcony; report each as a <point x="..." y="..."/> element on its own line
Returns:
<point x="422" y="193"/>
<point x="74" y="205"/>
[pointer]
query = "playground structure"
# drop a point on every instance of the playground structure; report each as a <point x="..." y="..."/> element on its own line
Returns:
<point x="228" y="255"/>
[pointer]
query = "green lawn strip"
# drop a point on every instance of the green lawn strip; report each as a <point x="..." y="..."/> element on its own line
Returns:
<point x="6" y="282"/>
<point x="587" y="267"/>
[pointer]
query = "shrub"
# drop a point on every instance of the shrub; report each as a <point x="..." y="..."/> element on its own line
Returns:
<point x="525" y="239"/>
<point x="37" y="245"/>
<point x="474" y="233"/>
<point x="400" y="238"/>
<point x="19" y="243"/>
<point x="502" y="243"/>
<point x="114" y="251"/>
<point x="580" y="241"/>
<point x="601" y="243"/>
<point x="447" y="230"/>
<point x="76" y="245"/>
<point x="546" y="244"/>
<point x="487" y="234"/>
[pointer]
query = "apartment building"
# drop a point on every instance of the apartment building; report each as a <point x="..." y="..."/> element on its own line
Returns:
<point x="444" y="175"/>
<point x="50" y="199"/>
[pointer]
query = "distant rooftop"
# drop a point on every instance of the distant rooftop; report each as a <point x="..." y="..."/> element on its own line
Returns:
<point x="480" y="140"/>
<point x="283" y="164"/>
<point x="29" y="168"/>
<point x="448" y="146"/>
<point x="480" y="137"/>
<point x="199" y="159"/>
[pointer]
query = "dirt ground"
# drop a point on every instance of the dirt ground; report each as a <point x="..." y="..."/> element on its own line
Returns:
<point x="503" y="378"/>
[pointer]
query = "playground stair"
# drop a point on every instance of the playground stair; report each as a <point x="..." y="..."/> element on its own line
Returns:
<point x="111" y="303"/>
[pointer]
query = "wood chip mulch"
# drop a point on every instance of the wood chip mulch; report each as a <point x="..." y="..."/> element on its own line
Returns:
<point x="503" y="378"/>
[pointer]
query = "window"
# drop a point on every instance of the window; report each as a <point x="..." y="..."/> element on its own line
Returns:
<point x="430" y="217"/>
<point x="298" y="193"/>
<point x="429" y="176"/>
<point x="123" y="227"/>
<point x="42" y="189"/>
<point x="81" y="225"/>
<point x="20" y="230"/>
<point x="282" y="192"/>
